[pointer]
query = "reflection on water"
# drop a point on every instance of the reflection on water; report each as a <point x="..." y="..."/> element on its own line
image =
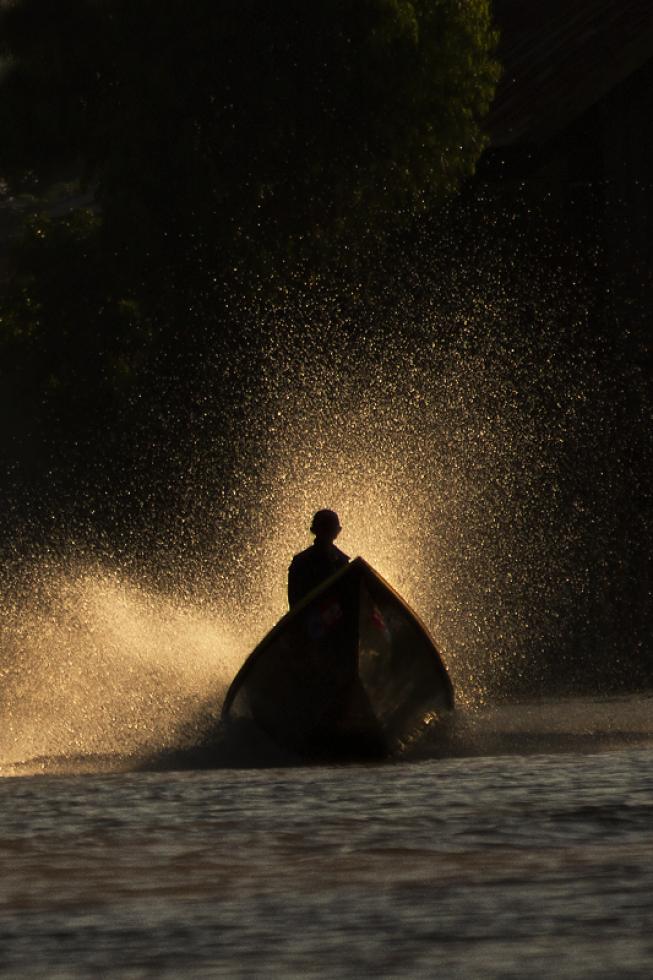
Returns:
<point x="535" y="865"/>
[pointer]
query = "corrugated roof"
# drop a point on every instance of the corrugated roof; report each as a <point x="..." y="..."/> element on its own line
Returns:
<point x="560" y="57"/>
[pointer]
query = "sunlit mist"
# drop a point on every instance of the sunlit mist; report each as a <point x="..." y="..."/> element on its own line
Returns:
<point x="94" y="664"/>
<point x="466" y="437"/>
<point x="445" y="443"/>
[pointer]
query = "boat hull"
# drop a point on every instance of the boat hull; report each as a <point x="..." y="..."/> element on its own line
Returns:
<point x="350" y="672"/>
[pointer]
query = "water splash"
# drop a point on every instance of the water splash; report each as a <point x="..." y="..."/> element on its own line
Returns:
<point x="94" y="664"/>
<point x="466" y="421"/>
<point x="460" y="445"/>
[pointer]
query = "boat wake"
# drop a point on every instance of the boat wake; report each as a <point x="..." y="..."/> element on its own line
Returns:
<point x="563" y="726"/>
<point x="548" y="726"/>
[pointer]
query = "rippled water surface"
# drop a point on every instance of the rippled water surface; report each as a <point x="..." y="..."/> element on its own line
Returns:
<point x="507" y="861"/>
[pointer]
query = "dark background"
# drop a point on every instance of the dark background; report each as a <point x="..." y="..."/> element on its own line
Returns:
<point x="110" y="393"/>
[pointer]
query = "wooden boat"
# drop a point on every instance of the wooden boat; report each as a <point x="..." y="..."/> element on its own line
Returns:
<point x="350" y="672"/>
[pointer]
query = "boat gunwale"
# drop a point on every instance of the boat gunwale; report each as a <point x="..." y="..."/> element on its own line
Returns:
<point x="357" y="565"/>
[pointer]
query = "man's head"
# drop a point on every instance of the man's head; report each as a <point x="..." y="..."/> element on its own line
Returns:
<point x="325" y="525"/>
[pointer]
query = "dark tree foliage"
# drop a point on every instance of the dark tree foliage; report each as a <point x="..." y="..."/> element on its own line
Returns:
<point x="239" y="126"/>
<point x="218" y="142"/>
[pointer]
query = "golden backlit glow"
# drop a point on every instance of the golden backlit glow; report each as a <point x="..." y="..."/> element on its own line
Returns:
<point x="446" y="440"/>
<point x="93" y="664"/>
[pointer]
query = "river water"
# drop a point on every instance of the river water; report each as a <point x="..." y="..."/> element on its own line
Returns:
<point x="525" y="848"/>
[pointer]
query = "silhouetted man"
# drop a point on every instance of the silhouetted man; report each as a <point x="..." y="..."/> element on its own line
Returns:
<point x="311" y="567"/>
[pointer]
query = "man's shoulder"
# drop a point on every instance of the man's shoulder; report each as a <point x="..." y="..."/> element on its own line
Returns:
<point x="303" y="556"/>
<point x="312" y="555"/>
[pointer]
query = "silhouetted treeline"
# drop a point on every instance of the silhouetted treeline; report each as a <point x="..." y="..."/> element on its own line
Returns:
<point x="219" y="146"/>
